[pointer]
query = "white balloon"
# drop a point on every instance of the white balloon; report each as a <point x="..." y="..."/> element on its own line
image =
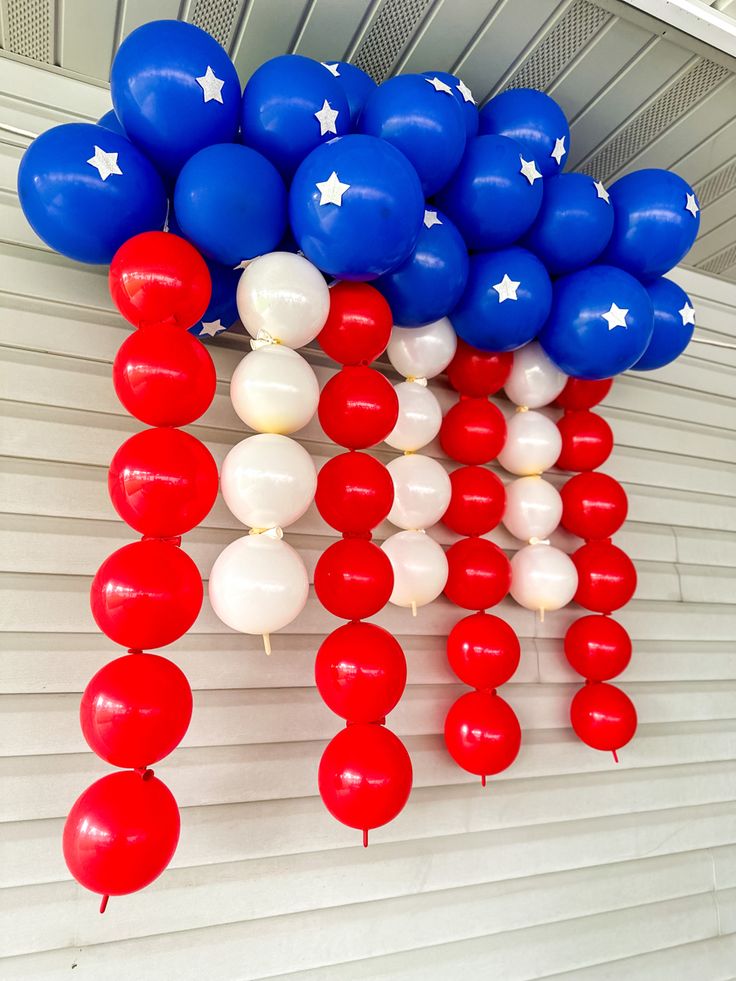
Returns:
<point x="274" y="390"/>
<point x="422" y="491"/>
<point x="283" y="295"/>
<point x="533" y="444"/>
<point x="422" y="352"/>
<point x="420" y="568"/>
<point x="258" y="584"/>
<point x="543" y="578"/>
<point x="268" y="481"/>
<point x="533" y="508"/>
<point x="420" y="417"/>
<point x="534" y="380"/>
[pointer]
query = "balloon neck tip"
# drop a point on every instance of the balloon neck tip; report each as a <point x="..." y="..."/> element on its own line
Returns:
<point x="365" y="837"/>
<point x="103" y="903"/>
<point x="615" y="756"/>
<point x="483" y="780"/>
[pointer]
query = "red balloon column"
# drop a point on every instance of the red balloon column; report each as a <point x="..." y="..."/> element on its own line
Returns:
<point x="123" y="830"/>
<point x="594" y="506"/>
<point x="482" y="733"/>
<point x="365" y="773"/>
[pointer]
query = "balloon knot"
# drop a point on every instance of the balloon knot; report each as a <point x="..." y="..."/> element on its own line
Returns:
<point x="365" y="837"/>
<point x="103" y="903"/>
<point x="172" y="540"/>
<point x="274" y="532"/>
<point x="483" y="780"/>
<point x="522" y="408"/>
<point x="263" y="339"/>
<point x="362" y="535"/>
<point x="417" y="380"/>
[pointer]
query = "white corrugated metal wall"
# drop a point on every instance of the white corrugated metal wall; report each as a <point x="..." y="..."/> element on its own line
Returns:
<point x="566" y="865"/>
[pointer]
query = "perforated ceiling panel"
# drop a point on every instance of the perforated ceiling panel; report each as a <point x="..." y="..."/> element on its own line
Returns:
<point x="217" y="17"/>
<point x="30" y="29"/>
<point x="388" y="36"/>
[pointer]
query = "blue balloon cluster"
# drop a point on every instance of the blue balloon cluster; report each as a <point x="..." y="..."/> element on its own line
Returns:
<point x="448" y="210"/>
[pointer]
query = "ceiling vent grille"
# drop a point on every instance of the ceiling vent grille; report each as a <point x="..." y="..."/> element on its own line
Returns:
<point x="681" y="96"/>
<point x="719" y="262"/>
<point x="218" y="18"/>
<point x="29" y="27"/>
<point x="718" y="184"/>
<point x="386" y="39"/>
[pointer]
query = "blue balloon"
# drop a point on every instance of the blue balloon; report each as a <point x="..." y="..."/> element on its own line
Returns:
<point x="600" y="323"/>
<point x="674" y="323"/>
<point x="230" y="202"/>
<point x="111" y="121"/>
<point x="656" y="220"/>
<point x="356" y="84"/>
<point x="431" y="281"/>
<point x="464" y="97"/>
<point x="506" y="301"/>
<point x="222" y="310"/>
<point x="489" y="198"/>
<point x="421" y="118"/>
<point x="574" y="223"/>
<point x="85" y="190"/>
<point x="356" y="207"/>
<point x="175" y="91"/>
<point x="535" y="121"/>
<point x="292" y="104"/>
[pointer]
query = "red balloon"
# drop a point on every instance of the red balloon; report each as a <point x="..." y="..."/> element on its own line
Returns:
<point x="478" y="373"/>
<point x="121" y="833"/>
<point x="136" y="710"/>
<point x="163" y="482"/>
<point x="473" y="431"/>
<point x="597" y="647"/>
<point x="146" y="594"/>
<point x="603" y="716"/>
<point x="482" y="733"/>
<point x="159" y="278"/>
<point x="164" y="376"/>
<point x="587" y="441"/>
<point x="365" y="776"/>
<point x="483" y="650"/>
<point x="579" y="393"/>
<point x="354" y="492"/>
<point x="358" y="407"/>
<point x="358" y="327"/>
<point x="479" y="574"/>
<point x="594" y="505"/>
<point x="477" y="502"/>
<point x="353" y="579"/>
<point x="606" y="577"/>
<point x="360" y="672"/>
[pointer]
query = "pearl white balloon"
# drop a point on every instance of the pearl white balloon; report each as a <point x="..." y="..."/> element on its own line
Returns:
<point x="543" y="578"/>
<point x="422" y="491"/>
<point x="420" y="568"/>
<point x="274" y="390"/>
<point x="268" y="481"/>
<point x="533" y="444"/>
<point x="422" y="352"/>
<point x="258" y="584"/>
<point x="284" y="295"/>
<point x="534" y="380"/>
<point x="533" y="508"/>
<point x="420" y="417"/>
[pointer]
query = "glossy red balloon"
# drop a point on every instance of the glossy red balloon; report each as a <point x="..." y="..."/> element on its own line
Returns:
<point x="354" y="492"/>
<point x="358" y="327"/>
<point x="473" y="431"/>
<point x="477" y="502"/>
<point x="360" y="671"/>
<point x="594" y="505"/>
<point x="358" y="407"/>
<point x="121" y="833"/>
<point x="164" y="376"/>
<point x="478" y="373"/>
<point x="579" y="393"/>
<point x="353" y="579"/>
<point x="159" y="278"/>
<point x="479" y="574"/>
<point x="163" y="482"/>
<point x="136" y="710"/>
<point x="482" y="733"/>
<point x="587" y="441"/>
<point x="365" y="776"/>
<point x="603" y="716"/>
<point x="597" y="647"/>
<point x="483" y="651"/>
<point x="146" y="594"/>
<point x="606" y="577"/>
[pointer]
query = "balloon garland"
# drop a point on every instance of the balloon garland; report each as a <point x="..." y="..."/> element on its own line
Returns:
<point x="123" y="830"/>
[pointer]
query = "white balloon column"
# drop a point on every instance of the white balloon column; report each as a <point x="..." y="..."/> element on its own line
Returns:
<point x="259" y="584"/>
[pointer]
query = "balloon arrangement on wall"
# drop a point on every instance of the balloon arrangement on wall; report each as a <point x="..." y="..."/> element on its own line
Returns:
<point x="465" y="223"/>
